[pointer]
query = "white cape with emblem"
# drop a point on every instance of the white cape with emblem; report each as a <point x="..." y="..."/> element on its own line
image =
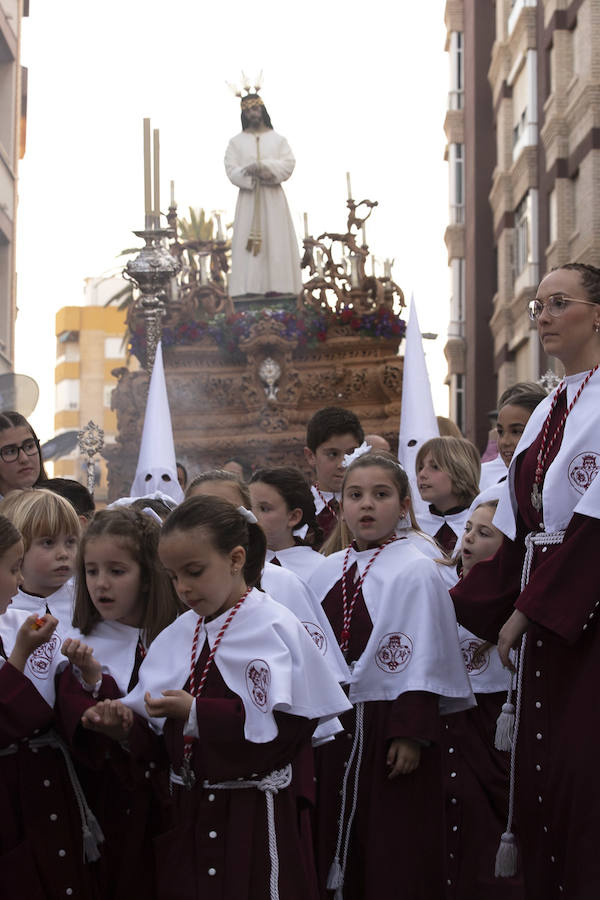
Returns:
<point x="266" y="657"/>
<point x="414" y="642"/>
<point x="44" y="663"/>
<point x="114" y="645"/>
<point x="487" y="674"/>
<point x="575" y="468"/>
<point x="291" y="591"/>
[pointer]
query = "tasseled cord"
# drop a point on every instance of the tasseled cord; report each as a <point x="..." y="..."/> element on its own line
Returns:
<point x="92" y="836"/>
<point x="335" y="876"/>
<point x="505" y="724"/>
<point x="506" y="857"/>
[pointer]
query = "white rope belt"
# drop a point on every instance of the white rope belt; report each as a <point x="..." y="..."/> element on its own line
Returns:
<point x="271" y="784"/>
<point x="90" y="827"/>
<point x="506" y="858"/>
<point x="337" y="870"/>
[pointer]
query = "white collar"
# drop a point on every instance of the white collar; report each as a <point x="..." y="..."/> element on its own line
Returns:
<point x="266" y="658"/>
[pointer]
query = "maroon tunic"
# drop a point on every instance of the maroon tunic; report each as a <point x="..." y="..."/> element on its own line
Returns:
<point x="557" y="788"/>
<point x="130" y="807"/>
<point x="327" y="519"/>
<point x="41" y="843"/>
<point x="396" y="842"/>
<point x="476" y="803"/>
<point x="219" y="849"/>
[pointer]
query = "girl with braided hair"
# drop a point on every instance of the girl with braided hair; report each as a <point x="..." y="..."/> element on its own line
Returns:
<point x="539" y="594"/>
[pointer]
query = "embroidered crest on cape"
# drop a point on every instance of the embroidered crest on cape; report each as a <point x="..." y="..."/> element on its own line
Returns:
<point x="258" y="680"/>
<point x="394" y="652"/>
<point x="40" y="661"/>
<point x="317" y="635"/>
<point x="583" y="469"/>
<point x="475" y="663"/>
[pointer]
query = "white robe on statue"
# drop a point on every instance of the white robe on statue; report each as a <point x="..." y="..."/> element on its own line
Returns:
<point x="277" y="266"/>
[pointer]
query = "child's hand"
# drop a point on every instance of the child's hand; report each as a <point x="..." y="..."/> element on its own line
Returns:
<point x="510" y="634"/>
<point x="34" y="632"/>
<point x="172" y="704"/>
<point x="403" y="756"/>
<point x="479" y="655"/>
<point x="82" y="656"/>
<point x="109" y="717"/>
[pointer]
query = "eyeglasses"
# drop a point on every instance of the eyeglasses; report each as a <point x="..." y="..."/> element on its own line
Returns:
<point x="556" y="305"/>
<point x="10" y="452"/>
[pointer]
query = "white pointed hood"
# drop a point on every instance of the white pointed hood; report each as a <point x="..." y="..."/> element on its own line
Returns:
<point x="157" y="468"/>
<point x="418" y="422"/>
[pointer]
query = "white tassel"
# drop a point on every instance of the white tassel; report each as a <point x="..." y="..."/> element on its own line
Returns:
<point x="334" y="877"/>
<point x="94" y="827"/>
<point x="506" y="857"/>
<point x="505" y="727"/>
<point x="90" y="846"/>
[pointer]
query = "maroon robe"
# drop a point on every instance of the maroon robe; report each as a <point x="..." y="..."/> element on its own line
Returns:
<point x="476" y="803"/>
<point x="557" y="791"/>
<point x="218" y="849"/>
<point x="396" y="842"/>
<point x="41" y="843"/>
<point x="131" y="807"/>
<point x="327" y="519"/>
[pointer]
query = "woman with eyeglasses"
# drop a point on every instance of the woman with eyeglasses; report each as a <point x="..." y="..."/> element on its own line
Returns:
<point x="540" y="594"/>
<point x="21" y="463"/>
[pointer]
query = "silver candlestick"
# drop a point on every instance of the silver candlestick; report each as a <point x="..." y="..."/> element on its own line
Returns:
<point x="151" y="271"/>
<point x="91" y="441"/>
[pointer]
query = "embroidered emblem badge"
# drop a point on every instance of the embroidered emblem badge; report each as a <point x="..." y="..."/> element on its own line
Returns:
<point x="583" y="469"/>
<point x="258" y="679"/>
<point x="475" y="663"/>
<point x="317" y="635"/>
<point x="394" y="652"/>
<point x="40" y="661"/>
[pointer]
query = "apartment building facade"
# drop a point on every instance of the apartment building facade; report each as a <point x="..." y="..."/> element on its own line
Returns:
<point x="13" y="109"/>
<point x="526" y="138"/>
<point x="89" y="345"/>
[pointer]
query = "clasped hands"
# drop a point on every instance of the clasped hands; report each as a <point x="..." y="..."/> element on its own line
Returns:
<point x="114" y="719"/>
<point x="257" y="170"/>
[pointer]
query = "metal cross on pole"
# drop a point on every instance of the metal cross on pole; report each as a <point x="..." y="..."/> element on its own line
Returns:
<point x="91" y="441"/>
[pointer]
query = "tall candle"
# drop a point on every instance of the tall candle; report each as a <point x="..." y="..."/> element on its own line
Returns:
<point x="172" y="203"/>
<point x="373" y="266"/>
<point x="364" y="234"/>
<point x="147" y="182"/>
<point x="348" y="185"/>
<point x="305" y="225"/>
<point x="319" y="263"/>
<point x="156" y="178"/>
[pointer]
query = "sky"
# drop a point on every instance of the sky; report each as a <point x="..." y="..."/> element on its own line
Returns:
<point x="354" y="87"/>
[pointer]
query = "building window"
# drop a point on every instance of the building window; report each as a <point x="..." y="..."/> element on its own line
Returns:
<point x="552" y="216"/>
<point x="576" y="195"/>
<point x="457" y="302"/>
<point x="67" y="394"/>
<point x="521" y="250"/>
<point x="113" y="348"/>
<point x="457" y="181"/>
<point x="108" y="390"/>
<point x="459" y="401"/>
<point x="519" y="128"/>
<point x="456" y="70"/>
